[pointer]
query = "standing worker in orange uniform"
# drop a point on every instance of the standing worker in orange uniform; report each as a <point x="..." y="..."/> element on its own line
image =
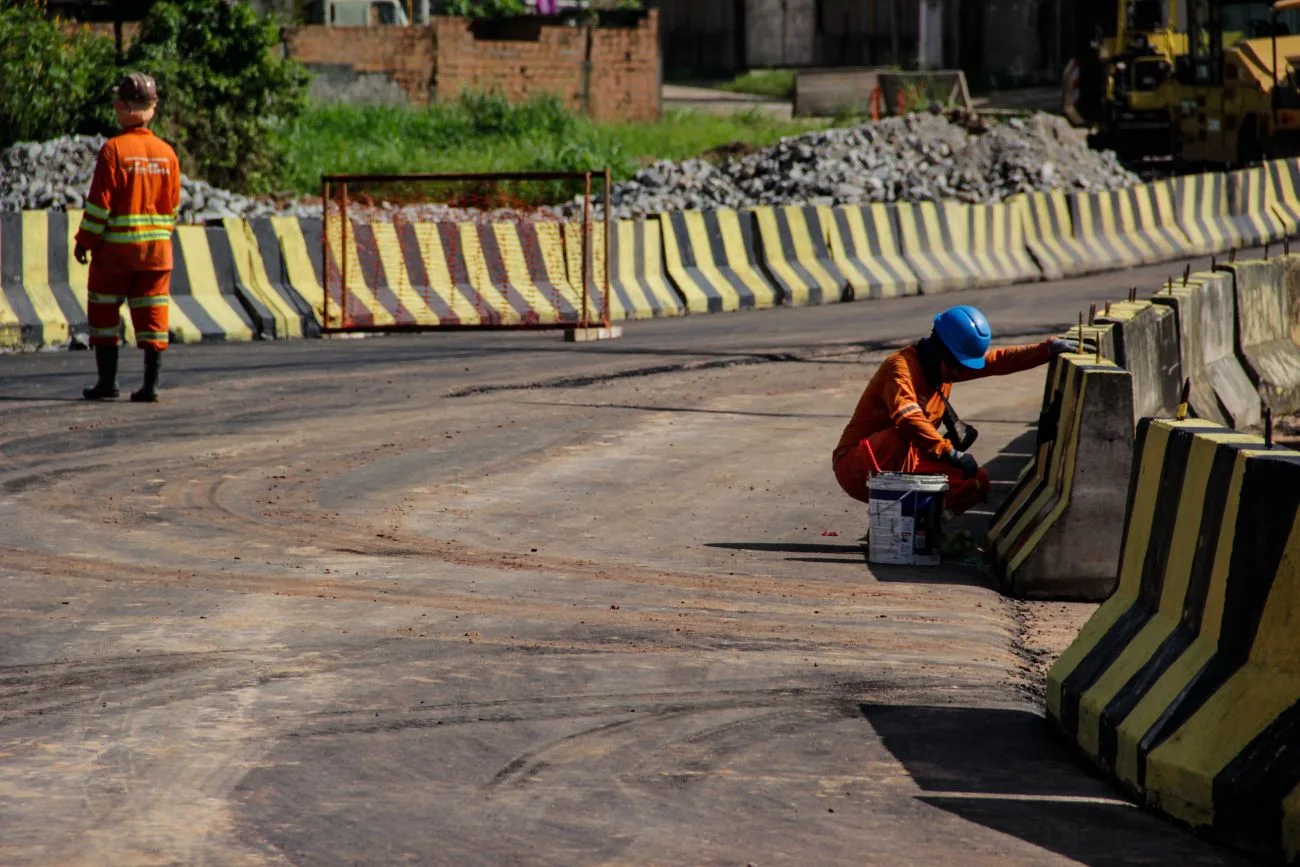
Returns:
<point x="895" y="426"/>
<point x="127" y="231"/>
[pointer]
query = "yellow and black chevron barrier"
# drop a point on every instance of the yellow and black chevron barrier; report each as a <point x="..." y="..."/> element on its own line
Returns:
<point x="1221" y="211"/>
<point x="794" y="248"/>
<point x="953" y="245"/>
<point x="932" y="238"/>
<point x="638" y="286"/>
<point x="713" y="263"/>
<point x="260" y="278"/>
<point x="1049" y="235"/>
<point x="1132" y="226"/>
<point x="1284" y="193"/>
<point x="1055" y="535"/>
<point x="435" y="274"/>
<point x="44" y="287"/>
<point x="864" y="246"/>
<point x="301" y="250"/>
<point x="997" y="244"/>
<point x="1185" y="684"/>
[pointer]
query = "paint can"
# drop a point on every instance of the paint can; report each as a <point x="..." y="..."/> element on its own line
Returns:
<point x="905" y="514"/>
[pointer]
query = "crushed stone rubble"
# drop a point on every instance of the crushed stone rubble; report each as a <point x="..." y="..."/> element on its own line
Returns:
<point x="920" y="157"/>
<point x="916" y="158"/>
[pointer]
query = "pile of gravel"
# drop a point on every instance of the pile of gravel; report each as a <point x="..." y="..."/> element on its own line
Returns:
<point x="56" y="174"/>
<point x="920" y="157"/>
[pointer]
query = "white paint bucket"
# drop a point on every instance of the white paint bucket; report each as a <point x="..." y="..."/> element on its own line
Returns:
<point x="905" y="515"/>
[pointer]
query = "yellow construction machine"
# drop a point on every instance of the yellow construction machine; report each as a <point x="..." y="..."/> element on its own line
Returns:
<point x="1214" y="82"/>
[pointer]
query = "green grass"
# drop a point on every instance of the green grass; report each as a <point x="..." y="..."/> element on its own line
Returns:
<point x="777" y="83"/>
<point x="488" y="134"/>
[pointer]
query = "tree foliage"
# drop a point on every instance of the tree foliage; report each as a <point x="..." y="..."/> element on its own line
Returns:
<point x="223" y="87"/>
<point x="55" y="82"/>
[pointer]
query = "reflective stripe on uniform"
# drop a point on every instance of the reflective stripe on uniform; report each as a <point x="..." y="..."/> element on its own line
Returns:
<point x="96" y="211"/>
<point x="907" y="409"/>
<point x="100" y="298"/>
<point x="157" y="336"/>
<point x="147" y="301"/>
<point x="89" y="225"/>
<point x="138" y="237"/>
<point x="110" y="331"/>
<point x="142" y="220"/>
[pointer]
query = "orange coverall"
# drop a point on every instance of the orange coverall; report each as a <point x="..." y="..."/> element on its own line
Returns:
<point x="127" y="227"/>
<point x="896" y="422"/>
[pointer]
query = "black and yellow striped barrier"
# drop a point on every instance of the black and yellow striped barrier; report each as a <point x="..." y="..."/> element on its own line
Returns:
<point x="932" y="237"/>
<point x="1223" y="211"/>
<point x="1056" y="534"/>
<point x="1132" y="226"/>
<point x="864" y="246"/>
<point x="1206" y="310"/>
<point x="1185" y="685"/>
<point x="1284" y="193"/>
<point x="1049" y="235"/>
<point x="432" y="274"/>
<point x="44" y="287"/>
<point x="638" y="287"/>
<point x="712" y="261"/>
<point x="953" y="245"/>
<point x="258" y="270"/>
<point x="794" y="247"/>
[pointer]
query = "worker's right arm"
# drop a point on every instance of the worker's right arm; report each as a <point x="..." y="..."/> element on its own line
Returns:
<point x="99" y="204"/>
<point x="907" y="414"/>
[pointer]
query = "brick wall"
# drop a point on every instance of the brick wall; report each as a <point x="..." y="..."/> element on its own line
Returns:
<point x="437" y="62"/>
<point x="403" y="54"/>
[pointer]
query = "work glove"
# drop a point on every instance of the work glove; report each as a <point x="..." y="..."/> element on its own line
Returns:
<point x="80" y="252"/>
<point x="1060" y="346"/>
<point x="964" y="462"/>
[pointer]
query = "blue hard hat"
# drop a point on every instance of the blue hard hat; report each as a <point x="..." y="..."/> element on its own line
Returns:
<point x="966" y="334"/>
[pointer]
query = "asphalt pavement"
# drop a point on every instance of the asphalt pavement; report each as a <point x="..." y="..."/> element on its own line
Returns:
<point x="491" y="598"/>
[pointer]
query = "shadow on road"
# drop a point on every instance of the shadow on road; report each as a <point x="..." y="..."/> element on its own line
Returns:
<point x="1004" y="769"/>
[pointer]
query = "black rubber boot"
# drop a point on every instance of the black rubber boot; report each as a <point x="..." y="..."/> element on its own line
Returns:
<point x="148" y="392"/>
<point x="105" y="387"/>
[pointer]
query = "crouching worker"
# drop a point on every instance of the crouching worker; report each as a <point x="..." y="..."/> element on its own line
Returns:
<point x="895" y="426"/>
<point x="127" y="232"/>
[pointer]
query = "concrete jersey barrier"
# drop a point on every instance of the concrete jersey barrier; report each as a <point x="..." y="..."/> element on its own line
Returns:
<point x="712" y="261"/>
<point x="1132" y="226"/>
<point x="44" y="287"/>
<point x="1049" y="234"/>
<point x="864" y="246"/>
<point x="1206" y="310"/>
<point x="1057" y="534"/>
<point x="1146" y="345"/>
<point x="1185" y="685"/>
<point x="794" y="249"/>
<point x="638" y="286"/>
<point x="1264" y="344"/>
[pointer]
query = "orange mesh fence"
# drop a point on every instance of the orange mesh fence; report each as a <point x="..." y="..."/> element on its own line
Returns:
<point x="411" y="252"/>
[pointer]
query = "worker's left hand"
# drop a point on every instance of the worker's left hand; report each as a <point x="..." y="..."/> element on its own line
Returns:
<point x="1059" y="346"/>
<point x="81" y="253"/>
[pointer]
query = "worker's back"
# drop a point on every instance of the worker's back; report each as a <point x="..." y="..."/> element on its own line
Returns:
<point x="142" y="178"/>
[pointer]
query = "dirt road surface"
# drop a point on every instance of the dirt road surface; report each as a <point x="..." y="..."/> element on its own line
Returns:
<point x="495" y="599"/>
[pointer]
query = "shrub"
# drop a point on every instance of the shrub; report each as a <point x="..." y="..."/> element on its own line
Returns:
<point x="54" y="83"/>
<point x="222" y="88"/>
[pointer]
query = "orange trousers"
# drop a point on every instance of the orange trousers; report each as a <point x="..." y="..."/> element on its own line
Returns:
<point x="146" y="293"/>
<point x="893" y="454"/>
